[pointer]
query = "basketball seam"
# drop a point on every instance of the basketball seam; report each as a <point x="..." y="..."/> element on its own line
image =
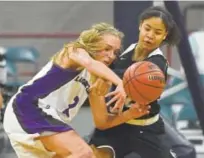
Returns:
<point x="136" y="69"/>
<point x="134" y="77"/>
<point x="144" y="97"/>
<point x="149" y="85"/>
<point x="128" y="85"/>
<point x="130" y="77"/>
<point x="139" y="66"/>
<point x="142" y="74"/>
<point x="135" y="87"/>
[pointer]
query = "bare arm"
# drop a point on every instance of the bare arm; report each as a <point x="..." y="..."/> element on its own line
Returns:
<point x="80" y="58"/>
<point x="102" y="118"/>
<point x="95" y="67"/>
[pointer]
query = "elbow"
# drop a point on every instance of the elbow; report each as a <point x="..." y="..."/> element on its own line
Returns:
<point x="83" y="61"/>
<point x="89" y="65"/>
<point x="102" y="125"/>
<point x="102" y="128"/>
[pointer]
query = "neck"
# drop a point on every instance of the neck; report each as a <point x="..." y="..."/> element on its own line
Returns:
<point x="140" y="53"/>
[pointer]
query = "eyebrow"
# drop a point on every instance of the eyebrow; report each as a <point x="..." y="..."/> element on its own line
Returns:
<point x="118" y="49"/>
<point x="156" y="29"/>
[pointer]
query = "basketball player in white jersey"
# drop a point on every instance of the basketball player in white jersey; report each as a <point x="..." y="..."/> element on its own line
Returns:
<point x="37" y="117"/>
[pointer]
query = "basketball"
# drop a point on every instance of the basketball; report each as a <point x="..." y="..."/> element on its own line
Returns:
<point x="143" y="82"/>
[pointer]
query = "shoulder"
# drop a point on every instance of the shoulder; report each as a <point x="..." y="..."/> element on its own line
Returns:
<point x="156" y="52"/>
<point x="157" y="56"/>
<point x="159" y="59"/>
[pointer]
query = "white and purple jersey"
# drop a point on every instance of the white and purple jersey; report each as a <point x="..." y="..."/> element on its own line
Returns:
<point x="51" y="99"/>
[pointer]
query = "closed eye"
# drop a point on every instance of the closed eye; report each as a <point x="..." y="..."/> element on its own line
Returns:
<point x="117" y="52"/>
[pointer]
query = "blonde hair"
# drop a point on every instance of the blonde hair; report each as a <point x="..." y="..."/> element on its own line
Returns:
<point x="92" y="39"/>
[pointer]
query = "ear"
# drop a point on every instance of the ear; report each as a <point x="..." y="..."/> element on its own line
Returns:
<point x="140" y="26"/>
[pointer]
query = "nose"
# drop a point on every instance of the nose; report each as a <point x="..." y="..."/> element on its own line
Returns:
<point x="150" y="34"/>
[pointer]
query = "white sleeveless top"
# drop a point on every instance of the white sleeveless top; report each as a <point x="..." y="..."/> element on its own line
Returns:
<point x="58" y="92"/>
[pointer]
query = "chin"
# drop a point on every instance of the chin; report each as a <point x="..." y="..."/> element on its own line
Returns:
<point x="106" y="64"/>
<point x="148" y="48"/>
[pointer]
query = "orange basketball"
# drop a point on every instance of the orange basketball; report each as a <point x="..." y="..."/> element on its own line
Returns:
<point x="144" y="82"/>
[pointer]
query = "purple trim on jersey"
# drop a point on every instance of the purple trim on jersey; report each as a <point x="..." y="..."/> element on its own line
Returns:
<point x="29" y="115"/>
<point x="34" y="120"/>
<point x="55" y="78"/>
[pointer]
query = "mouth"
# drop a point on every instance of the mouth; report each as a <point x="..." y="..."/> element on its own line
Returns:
<point x="147" y="43"/>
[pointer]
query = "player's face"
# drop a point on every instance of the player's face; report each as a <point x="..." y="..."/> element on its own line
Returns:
<point x="111" y="52"/>
<point x="152" y="33"/>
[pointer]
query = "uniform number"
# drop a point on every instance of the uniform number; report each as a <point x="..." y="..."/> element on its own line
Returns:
<point x="70" y="106"/>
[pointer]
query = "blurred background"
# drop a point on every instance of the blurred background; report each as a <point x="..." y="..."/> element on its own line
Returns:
<point x="31" y="32"/>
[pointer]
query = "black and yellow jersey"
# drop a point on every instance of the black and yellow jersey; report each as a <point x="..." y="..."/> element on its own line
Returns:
<point x="125" y="60"/>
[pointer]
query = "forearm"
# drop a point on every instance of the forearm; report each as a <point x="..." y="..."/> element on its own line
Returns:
<point x="95" y="67"/>
<point x="102" y="118"/>
<point x="101" y="70"/>
<point x="115" y="120"/>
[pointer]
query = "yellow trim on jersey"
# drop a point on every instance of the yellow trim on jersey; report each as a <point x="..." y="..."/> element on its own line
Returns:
<point x="144" y="122"/>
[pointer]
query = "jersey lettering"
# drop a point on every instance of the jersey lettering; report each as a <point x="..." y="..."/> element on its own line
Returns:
<point x="84" y="82"/>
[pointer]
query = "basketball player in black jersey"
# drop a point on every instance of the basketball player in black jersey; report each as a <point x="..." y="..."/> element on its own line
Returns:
<point x="147" y="136"/>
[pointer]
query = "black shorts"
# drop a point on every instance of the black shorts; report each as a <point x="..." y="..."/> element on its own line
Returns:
<point x="131" y="141"/>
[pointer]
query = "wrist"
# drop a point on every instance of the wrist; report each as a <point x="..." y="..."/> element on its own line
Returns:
<point x="120" y="83"/>
<point x="131" y="112"/>
<point x="128" y="115"/>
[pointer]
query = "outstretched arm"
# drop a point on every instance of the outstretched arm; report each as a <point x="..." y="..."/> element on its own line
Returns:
<point x="79" y="58"/>
<point x="95" y="67"/>
<point x="100" y="70"/>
